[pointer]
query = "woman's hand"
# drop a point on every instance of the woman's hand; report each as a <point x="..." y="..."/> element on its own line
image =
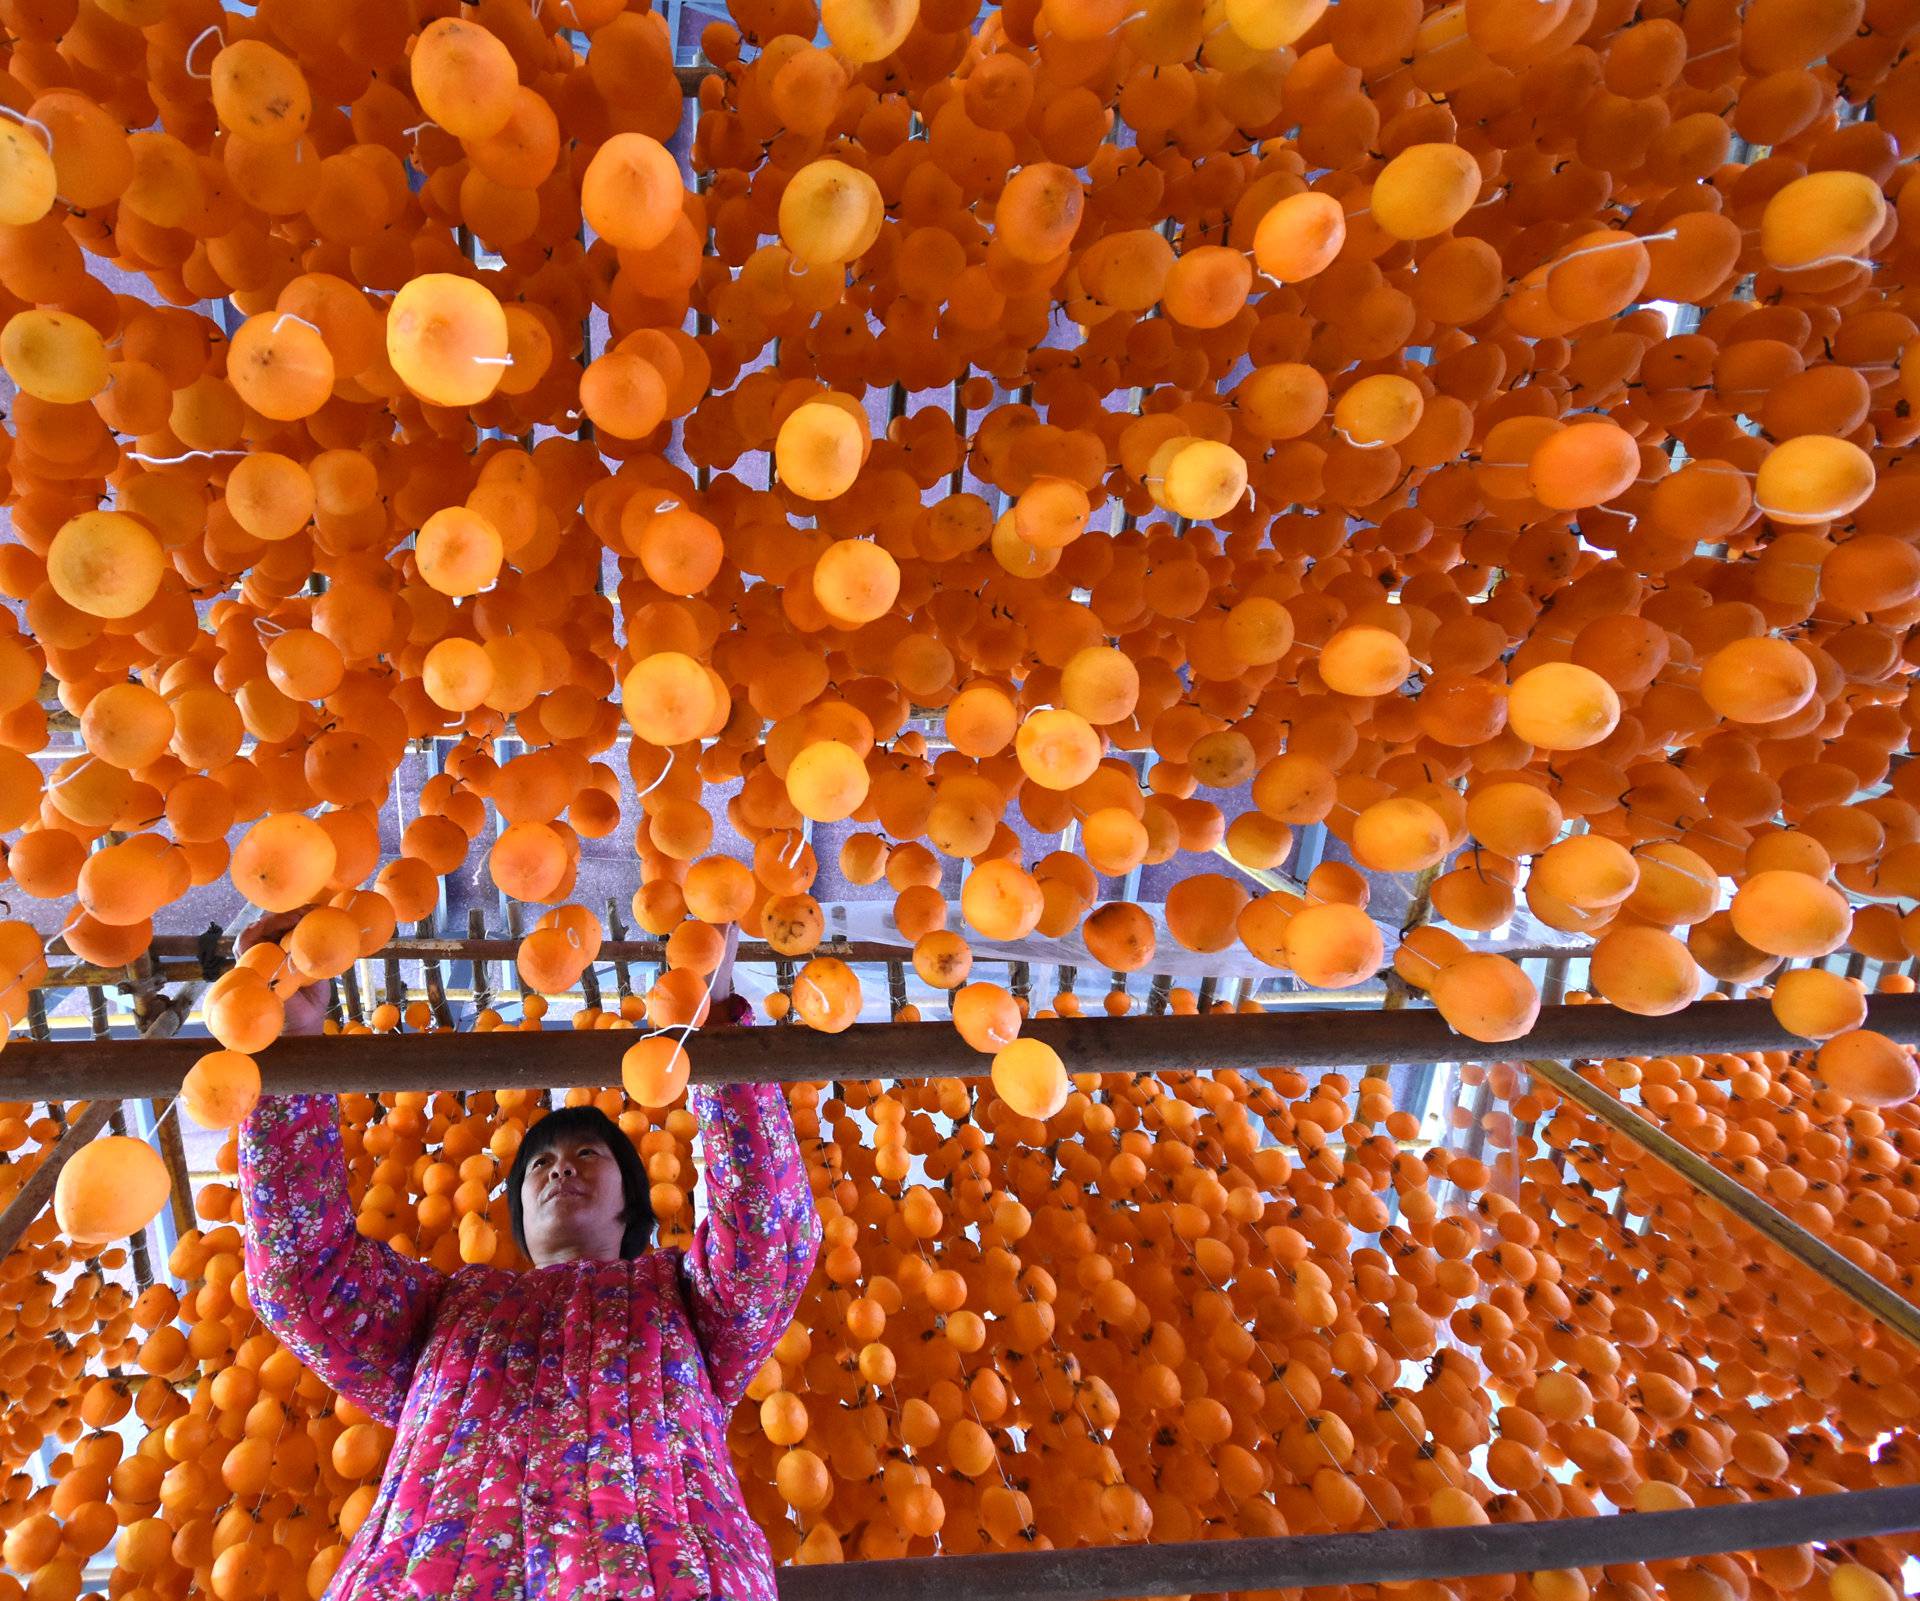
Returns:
<point x="306" y="1008"/>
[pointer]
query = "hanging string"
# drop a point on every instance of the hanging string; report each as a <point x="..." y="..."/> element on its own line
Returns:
<point x="69" y="777"/>
<point x="46" y="133"/>
<point x="661" y="779"/>
<point x="187" y="60"/>
<point x="1610" y="244"/>
<point x="172" y="1101"/>
<point x="174" y="461"/>
<point x="1827" y="261"/>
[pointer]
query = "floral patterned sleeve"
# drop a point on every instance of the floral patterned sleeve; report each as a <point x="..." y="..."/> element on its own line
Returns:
<point x="754" y="1251"/>
<point x="351" y="1308"/>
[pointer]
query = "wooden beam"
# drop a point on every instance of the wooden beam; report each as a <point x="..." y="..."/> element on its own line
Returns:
<point x="38" y="1188"/>
<point x="1389" y="1556"/>
<point x="1814" y="1254"/>
<point x="173" y="1151"/>
<point x="1207" y="1043"/>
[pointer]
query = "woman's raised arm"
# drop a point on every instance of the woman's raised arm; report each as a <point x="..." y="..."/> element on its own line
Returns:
<point x="351" y="1308"/>
<point x="754" y="1251"/>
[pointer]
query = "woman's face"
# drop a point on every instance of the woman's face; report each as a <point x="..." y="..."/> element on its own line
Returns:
<point x="573" y="1203"/>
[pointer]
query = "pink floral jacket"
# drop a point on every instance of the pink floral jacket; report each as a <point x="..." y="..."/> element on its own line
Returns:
<point x="561" y="1432"/>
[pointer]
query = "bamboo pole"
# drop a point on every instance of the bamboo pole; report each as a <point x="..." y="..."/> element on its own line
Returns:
<point x="163" y="1018"/>
<point x="173" y="1151"/>
<point x="1207" y="1043"/>
<point x="1811" y="1252"/>
<point x="1387" y="1556"/>
<point x="117" y="1124"/>
<point x="482" y="979"/>
<point x="434" y="983"/>
<point x="38" y="1188"/>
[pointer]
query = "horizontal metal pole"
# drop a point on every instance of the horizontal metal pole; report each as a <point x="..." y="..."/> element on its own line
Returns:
<point x="1811" y="1252"/>
<point x="1206" y="1043"/>
<point x="178" y="955"/>
<point x="1390" y="1556"/>
<point x="489" y="948"/>
<point x="184" y="949"/>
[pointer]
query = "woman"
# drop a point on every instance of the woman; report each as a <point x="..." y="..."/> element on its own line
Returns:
<point x="559" y="1432"/>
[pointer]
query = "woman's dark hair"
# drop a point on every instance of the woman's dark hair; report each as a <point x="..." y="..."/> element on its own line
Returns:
<point x="571" y="1122"/>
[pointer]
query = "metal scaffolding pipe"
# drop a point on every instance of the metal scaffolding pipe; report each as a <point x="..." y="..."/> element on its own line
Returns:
<point x="1389" y="1556"/>
<point x="509" y="1059"/>
<point x="1877" y="1300"/>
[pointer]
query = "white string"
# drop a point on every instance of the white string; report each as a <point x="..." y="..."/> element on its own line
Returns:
<point x="661" y="779"/>
<point x="69" y="777"/>
<point x="1611" y="244"/>
<point x="492" y="361"/>
<point x="60" y="976"/>
<point x="187" y="60"/>
<point x="171" y="461"/>
<point x="700" y="1012"/>
<point x="287" y="315"/>
<point x="46" y="133"/>
<point x="171" y="1104"/>
<point x="822" y="994"/>
<point x="1704" y="464"/>
<point x="1826" y="261"/>
<point x="1798" y="516"/>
